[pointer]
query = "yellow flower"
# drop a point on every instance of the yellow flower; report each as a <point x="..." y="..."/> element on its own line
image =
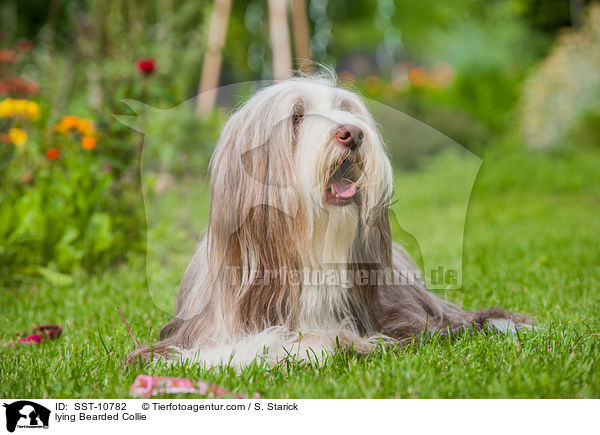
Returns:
<point x="33" y="111"/>
<point x="6" y="108"/>
<point x="17" y="136"/>
<point x="18" y="107"/>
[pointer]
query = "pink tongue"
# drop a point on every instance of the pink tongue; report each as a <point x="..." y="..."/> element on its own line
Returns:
<point x="344" y="188"/>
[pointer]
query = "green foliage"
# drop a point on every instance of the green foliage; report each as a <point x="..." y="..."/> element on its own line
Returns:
<point x="64" y="217"/>
<point x="562" y="93"/>
<point x="463" y="67"/>
<point x="69" y="199"/>
<point x="545" y="15"/>
<point x="490" y="54"/>
<point x="586" y="130"/>
<point x="176" y="141"/>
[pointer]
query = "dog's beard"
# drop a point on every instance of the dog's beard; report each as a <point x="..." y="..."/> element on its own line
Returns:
<point x="338" y="191"/>
<point x="336" y="182"/>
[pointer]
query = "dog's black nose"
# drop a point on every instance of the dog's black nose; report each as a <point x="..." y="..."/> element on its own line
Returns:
<point x="349" y="135"/>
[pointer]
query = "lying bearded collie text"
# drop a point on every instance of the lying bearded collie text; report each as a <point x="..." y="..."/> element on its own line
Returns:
<point x="300" y="180"/>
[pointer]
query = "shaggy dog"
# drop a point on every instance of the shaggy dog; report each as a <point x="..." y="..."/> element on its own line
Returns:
<point x="300" y="189"/>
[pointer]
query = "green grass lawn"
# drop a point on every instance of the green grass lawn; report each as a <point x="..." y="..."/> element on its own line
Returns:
<point x="531" y="245"/>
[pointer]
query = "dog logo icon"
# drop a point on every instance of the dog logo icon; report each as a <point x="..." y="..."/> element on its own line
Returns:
<point x="26" y="414"/>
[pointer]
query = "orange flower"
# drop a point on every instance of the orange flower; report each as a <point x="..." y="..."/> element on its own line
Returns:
<point x="418" y="76"/>
<point x="89" y="143"/>
<point x="52" y="153"/>
<point x="83" y="126"/>
<point x="67" y="123"/>
<point x="442" y="75"/>
<point x="26" y="178"/>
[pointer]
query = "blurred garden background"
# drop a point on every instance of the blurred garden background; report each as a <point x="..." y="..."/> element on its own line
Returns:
<point x="517" y="82"/>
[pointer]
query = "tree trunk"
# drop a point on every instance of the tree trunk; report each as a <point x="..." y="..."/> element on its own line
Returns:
<point x="280" y="39"/>
<point x="164" y="35"/>
<point x="301" y="36"/>
<point x="8" y="20"/>
<point x="211" y="66"/>
<point x="91" y="40"/>
<point x="577" y="12"/>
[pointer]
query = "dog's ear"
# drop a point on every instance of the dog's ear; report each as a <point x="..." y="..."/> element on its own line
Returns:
<point x="252" y="167"/>
<point x="255" y="216"/>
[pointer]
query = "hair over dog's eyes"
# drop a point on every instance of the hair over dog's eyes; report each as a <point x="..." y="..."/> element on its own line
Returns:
<point x="297" y="114"/>
<point x="348" y="106"/>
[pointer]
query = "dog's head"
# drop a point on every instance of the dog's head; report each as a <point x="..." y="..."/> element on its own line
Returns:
<point x="305" y="148"/>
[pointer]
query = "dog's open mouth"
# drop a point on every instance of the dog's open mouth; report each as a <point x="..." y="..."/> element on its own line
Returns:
<point x="341" y="186"/>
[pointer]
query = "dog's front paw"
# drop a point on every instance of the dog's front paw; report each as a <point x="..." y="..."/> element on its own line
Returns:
<point x="506" y="326"/>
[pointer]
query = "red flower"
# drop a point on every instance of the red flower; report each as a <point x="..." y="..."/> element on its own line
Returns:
<point x="8" y="56"/>
<point x="24" y="45"/>
<point x="146" y="66"/>
<point x="52" y="153"/>
<point x="35" y="338"/>
<point x="19" y="86"/>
